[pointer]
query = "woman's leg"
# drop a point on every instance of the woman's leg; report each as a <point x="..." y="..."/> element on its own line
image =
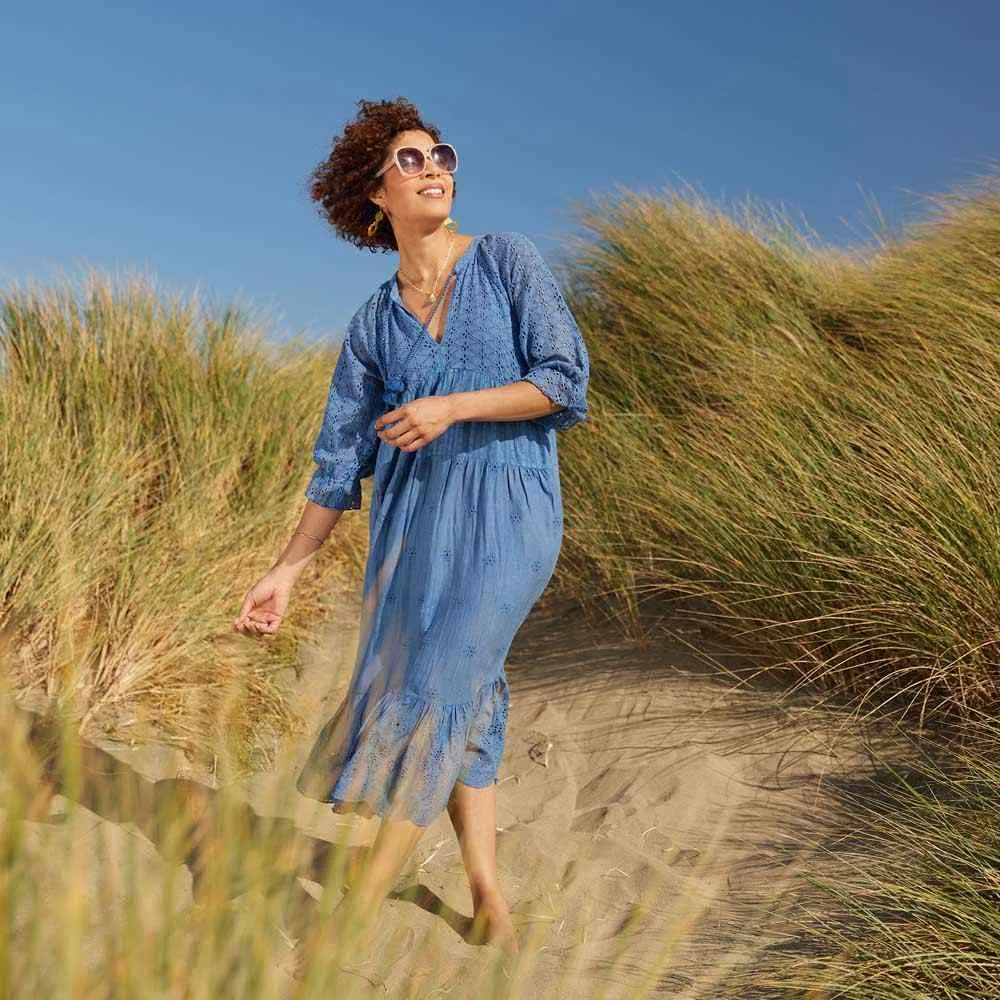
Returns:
<point x="383" y="862"/>
<point x="369" y="880"/>
<point x="355" y="917"/>
<point x="473" y="813"/>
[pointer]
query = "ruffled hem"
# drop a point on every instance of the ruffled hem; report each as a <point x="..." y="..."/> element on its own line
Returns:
<point x="401" y="758"/>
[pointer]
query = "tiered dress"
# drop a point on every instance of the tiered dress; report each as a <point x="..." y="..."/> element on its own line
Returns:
<point x="464" y="532"/>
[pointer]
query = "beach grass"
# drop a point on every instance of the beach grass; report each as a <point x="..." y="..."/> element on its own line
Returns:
<point x="799" y="440"/>
<point x="792" y="444"/>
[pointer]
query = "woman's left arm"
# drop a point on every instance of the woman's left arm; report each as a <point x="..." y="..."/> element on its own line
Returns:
<point x="553" y="389"/>
<point x="550" y="340"/>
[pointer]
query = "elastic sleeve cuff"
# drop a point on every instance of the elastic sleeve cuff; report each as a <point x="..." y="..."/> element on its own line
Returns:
<point x="334" y="496"/>
<point x="562" y="391"/>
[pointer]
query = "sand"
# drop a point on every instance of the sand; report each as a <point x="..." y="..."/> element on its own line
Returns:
<point x="650" y="822"/>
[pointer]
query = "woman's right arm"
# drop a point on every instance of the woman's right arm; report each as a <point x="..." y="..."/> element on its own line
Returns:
<point x="267" y="600"/>
<point x="344" y="454"/>
<point x="315" y="525"/>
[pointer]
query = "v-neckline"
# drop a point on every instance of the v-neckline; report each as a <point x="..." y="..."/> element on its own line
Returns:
<point x="455" y="271"/>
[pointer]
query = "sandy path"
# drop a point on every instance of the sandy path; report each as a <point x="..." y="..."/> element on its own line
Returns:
<point x="648" y="822"/>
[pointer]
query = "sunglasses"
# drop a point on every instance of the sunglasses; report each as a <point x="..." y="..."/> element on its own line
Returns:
<point x="411" y="160"/>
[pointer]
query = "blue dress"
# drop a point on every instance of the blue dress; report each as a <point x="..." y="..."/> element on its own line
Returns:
<point x="464" y="532"/>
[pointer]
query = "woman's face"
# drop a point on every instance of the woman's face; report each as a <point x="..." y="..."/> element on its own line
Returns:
<point x="400" y="197"/>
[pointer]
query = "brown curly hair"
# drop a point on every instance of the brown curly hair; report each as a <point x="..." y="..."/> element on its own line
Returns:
<point x="341" y="184"/>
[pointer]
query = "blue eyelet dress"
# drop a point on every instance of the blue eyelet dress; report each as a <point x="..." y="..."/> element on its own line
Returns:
<point x="464" y="533"/>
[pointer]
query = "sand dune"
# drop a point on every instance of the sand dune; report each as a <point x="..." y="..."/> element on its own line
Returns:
<point x="648" y="824"/>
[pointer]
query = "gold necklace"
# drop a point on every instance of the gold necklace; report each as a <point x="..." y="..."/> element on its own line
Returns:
<point x="431" y="297"/>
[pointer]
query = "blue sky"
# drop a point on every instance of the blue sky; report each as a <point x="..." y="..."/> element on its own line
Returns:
<point x="175" y="140"/>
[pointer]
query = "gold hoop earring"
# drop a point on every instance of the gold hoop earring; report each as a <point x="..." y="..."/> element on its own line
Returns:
<point x="375" y="222"/>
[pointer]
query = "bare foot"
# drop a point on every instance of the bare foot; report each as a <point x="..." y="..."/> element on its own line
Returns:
<point x="37" y="809"/>
<point x="355" y="939"/>
<point x="491" y="924"/>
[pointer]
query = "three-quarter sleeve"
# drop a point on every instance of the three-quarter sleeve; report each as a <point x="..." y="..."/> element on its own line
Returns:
<point x="347" y="444"/>
<point x="547" y="333"/>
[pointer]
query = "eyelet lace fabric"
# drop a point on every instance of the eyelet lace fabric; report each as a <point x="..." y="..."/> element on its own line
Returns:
<point x="464" y="532"/>
<point x="390" y="762"/>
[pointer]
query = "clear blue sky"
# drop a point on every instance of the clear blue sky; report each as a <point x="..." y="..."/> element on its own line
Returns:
<point x="176" y="139"/>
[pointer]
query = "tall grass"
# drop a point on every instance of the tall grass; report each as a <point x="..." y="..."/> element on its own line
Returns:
<point x="795" y="444"/>
<point x="805" y="440"/>
<point x="913" y="873"/>
<point x="151" y="468"/>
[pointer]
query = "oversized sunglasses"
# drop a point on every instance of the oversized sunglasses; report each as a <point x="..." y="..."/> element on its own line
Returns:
<point x="411" y="160"/>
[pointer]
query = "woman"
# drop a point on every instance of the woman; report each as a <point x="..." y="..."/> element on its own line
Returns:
<point x="453" y="378"/>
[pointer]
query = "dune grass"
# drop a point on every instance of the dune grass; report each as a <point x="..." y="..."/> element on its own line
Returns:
<point x="913" y="873"/>
<point x="804" y="439"/>
<point x="152" y="469"/>
<point x="793" y="444"/>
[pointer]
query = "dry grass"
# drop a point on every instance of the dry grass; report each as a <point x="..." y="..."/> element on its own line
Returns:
<point x="806" y="441"/>
<point x="796" y="444"/>
<point x="152" y="469"/>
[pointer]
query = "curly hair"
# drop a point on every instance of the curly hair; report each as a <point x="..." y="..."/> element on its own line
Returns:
<point x="341" y="184"/>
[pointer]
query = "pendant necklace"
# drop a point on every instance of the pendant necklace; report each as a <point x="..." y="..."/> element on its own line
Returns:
<point x="431" y="296"/>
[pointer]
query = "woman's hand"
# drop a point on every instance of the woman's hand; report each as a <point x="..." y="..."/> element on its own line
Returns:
<point x="417" y="422"/>
<point x="264" y="605"/>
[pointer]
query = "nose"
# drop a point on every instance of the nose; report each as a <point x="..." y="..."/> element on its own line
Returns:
<point x="433" y="175"/>
<point x="431" y="169"/>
